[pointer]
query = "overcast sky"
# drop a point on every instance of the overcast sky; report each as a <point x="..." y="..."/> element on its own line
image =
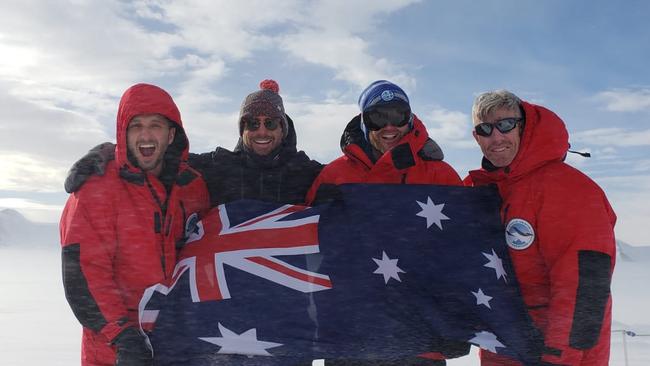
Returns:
<point x="64" y="65"/>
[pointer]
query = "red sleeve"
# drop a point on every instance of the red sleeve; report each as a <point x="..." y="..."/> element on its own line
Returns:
<point x="88" y="239"/>
<point x="468" y="182"/>
<point x="576" y="237"/>
<point x="443" y="174"/>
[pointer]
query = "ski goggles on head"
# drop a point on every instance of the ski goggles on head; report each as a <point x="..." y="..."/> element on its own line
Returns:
<point x="379" y="117"/>
<point x="252" y="124"/>
<point x="503" y="125"/>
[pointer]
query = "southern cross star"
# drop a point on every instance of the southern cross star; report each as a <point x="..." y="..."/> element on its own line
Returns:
<point x="497" y="264"/>
<point x="482" y="299"/>
<point x="240" y="344"/>
<point x="387" y="267"/>
<point x="432" y="212"/>
<point x="487" y="341"/>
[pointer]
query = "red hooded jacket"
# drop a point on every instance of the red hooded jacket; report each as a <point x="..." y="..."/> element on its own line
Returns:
<point x="416" y="160"/>
<point x="560" y="232"/>
<point x="119" y="231"/>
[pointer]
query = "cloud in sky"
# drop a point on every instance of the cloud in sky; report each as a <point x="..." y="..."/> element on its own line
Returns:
<point x="72" y="61"/>
<point x="65" y="64"/>
<point x="322" y="122"/>
<point x="452" y="128"/>
<point x="625" y="100"/>
<point x="614" y="136"/>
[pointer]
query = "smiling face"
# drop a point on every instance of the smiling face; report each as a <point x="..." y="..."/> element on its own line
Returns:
<point x="388" y="137"/>
<point x="500" y="148"/>
<point x="262" y="141"/>
<point x="147" y="138"/>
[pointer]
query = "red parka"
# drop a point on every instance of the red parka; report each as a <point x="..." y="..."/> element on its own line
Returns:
<point x="119" y="231"/>
<point x="416" y="160"/>
<point x="560" y="233"/>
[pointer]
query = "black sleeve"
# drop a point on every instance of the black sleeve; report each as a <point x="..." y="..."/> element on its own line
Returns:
<point x="76" y="290"/>
<point x="327" y="193"/>
<point x="200" y="161"/>
<point x="594" y="280"/>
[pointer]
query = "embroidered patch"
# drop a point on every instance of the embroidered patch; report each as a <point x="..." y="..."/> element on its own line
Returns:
<point x="387" y="95"/>
<point x="519" y="234"/>
<point x="193" y="228"/>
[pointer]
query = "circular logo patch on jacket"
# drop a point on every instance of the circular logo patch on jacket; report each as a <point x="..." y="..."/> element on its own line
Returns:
<point x="193" y="228"/>
<point x="519" y="234"/>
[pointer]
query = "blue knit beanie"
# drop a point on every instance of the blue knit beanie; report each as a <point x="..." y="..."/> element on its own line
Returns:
<point x="381" y="92"/>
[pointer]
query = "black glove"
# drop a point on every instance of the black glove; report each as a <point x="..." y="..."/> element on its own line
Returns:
<point x="94" y="162"/>
<point x="132" y="349"/>
<point x="449" y="348"/>
<point x="453" y="349"/>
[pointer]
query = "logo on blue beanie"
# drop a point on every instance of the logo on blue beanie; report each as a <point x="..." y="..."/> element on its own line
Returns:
<point x="381" y="92"/>
<point x="387" y="95"/>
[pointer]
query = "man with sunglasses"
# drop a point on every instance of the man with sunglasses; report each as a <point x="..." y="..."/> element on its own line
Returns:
<point x="387" y="143"/>
<point x="265" y="165"/>
<point x="559" y="227"/>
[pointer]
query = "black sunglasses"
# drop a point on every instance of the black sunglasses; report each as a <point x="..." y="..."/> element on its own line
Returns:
<point x="503" y="125"/>
<point x="380" y="117"/>
<point x="252" y="124"/>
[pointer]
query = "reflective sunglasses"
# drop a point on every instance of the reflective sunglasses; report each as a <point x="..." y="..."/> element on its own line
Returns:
<point x="503" y="125"/>
<point x="380" y="117"/>
<point x="253" y="124"/>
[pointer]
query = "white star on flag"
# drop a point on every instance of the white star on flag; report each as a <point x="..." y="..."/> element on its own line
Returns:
<point x="482" y="299"/>
<point x="240" y="344"/>
<point x="487" y="341"/>
<point x="432" y="212"/>
<point x="496" y="263"/>
<point x="387" y="267"/>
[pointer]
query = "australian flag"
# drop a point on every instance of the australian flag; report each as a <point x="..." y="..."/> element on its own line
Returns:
<point x="377" y="275"/>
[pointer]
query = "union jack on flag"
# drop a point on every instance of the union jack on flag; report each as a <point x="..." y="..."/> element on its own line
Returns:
<point x="252" y="246"/>
<point x="382" y="274"/>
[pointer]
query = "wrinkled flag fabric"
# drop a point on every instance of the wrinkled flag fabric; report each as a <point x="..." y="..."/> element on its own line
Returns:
<point x="379" y="274"/>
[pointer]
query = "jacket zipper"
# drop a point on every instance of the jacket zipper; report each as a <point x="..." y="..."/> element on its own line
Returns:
<point x="159" y="224"/>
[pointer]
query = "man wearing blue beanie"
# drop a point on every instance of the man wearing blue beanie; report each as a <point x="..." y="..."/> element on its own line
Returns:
<point x="387" y="143"/>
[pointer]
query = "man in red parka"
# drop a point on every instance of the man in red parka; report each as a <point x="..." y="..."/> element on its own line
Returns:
<point x="559" y="227"/>
<point x="119" y="231"/>
<point x="387" y="143"/>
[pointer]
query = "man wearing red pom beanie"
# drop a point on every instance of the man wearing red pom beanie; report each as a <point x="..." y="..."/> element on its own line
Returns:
<point x="265" y="165"/>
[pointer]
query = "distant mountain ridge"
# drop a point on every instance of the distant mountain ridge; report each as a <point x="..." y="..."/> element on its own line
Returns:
<point x="18" y="231"/>
<point x="630" y="253"/>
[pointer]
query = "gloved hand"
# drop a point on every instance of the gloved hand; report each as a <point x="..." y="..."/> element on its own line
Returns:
<point x="444" y="348"/>
<point x="132" y="349"/>
<point x="94" y="162"/>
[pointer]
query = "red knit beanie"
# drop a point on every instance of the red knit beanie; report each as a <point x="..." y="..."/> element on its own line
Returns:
<point x="265" y="101"/>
